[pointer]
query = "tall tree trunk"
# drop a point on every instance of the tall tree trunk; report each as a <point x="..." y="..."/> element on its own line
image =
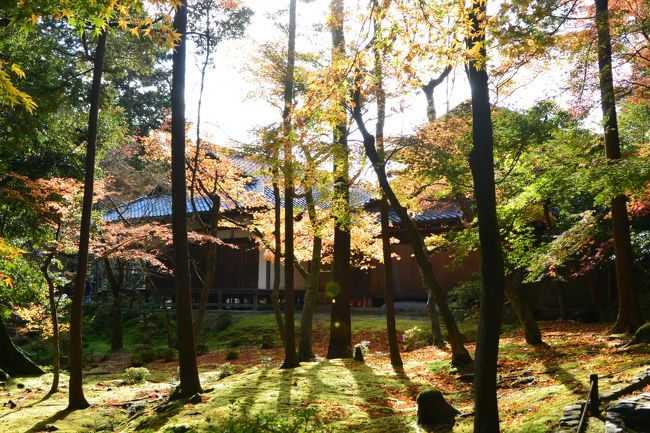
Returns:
<point x="189" y="375"/>
<point x="305" y="349"/>
<point x="629" y="314"/>
<point x="117" y="286"/>
<point x="290" y="354"/>
<point x="76" y="398"/>
<point x="56" y="341"/>
<point x="481" y="160"/>
<point x="521" y="306"/>
<point x="340" y="342"/>
<point x="277" y="261"/>
<point x="13" y="361"/>
<point x="459" y="354"/>
<point x="389" y="286"/>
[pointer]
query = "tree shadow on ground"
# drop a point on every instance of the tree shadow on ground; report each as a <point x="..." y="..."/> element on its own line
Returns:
<point x="160" y="415"/>
<point x="34" y="403"/>
<point x="284" y="396"/>
<point x="373" y="390"/>
<point x="42" y="425"/>
<point x="550" y="358"/>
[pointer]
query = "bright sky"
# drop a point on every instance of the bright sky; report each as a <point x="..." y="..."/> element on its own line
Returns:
<point x="233" y="107"/>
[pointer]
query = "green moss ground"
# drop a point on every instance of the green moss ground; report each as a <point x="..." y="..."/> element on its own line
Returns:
<point x="345" y="395"/>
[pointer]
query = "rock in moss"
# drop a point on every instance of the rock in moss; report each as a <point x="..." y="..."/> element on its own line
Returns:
<point x="358" y="354"/>
<point x="433" y="409"/>
<point x="642" y="335"/>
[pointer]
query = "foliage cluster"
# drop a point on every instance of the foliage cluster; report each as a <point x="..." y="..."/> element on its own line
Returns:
<point x="133" y="375"/>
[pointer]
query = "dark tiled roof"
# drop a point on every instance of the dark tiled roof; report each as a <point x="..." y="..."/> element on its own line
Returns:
<point x="158" y="206"/>
<point x="429" y="217"/>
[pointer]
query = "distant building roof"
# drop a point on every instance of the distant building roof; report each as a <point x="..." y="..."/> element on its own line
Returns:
<point x="430" y="217"/>
<point x="160" y="205"/>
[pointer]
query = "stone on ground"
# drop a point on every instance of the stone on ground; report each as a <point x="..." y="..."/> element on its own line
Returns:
<point x="433" y="409"/>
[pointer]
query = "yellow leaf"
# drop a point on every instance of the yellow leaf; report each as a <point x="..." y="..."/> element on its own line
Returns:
<point x="16" y="69"/>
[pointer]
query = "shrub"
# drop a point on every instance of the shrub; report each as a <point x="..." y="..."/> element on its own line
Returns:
<point x="167" y="354"/>
<point x="100" y="316"/>
<point x="232" y="355"/>
<point x="135" y="375"/>
<point x="465" y="295"/>
<point x="226" y="370"/>
<point x="416" y="338"/>
<point x="143" y="354"/>
<point x="221" y="322"/>
<point x="235" y="342"/>
<point x="268" y="342"/>
<point x="202" y="349"/>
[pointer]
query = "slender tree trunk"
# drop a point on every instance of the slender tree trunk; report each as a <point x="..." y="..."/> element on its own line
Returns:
<point x="521" y="306"/>
<point x="436" y="331"/>
<point x="56" y="346"/>
<point x="277" y="261"/>
<point x="305" y="349"/>
<point x="428" y="89"/>
<point x="561" y="300"/>
<point x="340" y="342"/>
<point x="189" y="375"/>
<point x="168" y="319"/>
<point x="117" y="285"/>
<point x="389" y="286"/>
<point x="290" y="354"/>
<point x="210" y="256"/>
<point x="76" y="398"/>
<point x="13" y="361"/>
<point x="210" y="251"/>
<point x="481" y="160"/>
<point x="629" y="314"/>
<point x="459" y="354"/>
